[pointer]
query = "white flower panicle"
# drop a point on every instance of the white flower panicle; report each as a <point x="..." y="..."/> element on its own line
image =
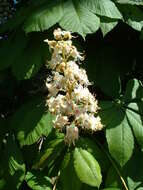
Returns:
<point x="69" y="98"/>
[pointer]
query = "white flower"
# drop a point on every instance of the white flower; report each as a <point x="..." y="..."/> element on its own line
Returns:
<point x="51" y="43"/>
<point x="61" y="67"/>
<point x="76" y="55"/>
<point x="69" y="98"/>
<point x="82" y="77"/>
<point x="89" y="121"/>
<point x="56" y="85"/>
<point x="67" y="47"/>
<point x="82" y="94"/>
<point x="67" y="35"/>
<point x="56" y="59"/>
<point x="92" y="107"/>
<point x="72" y="70"/>
<point x="60" y="121"/>
<point x="58" y="34"/>
<point x="56" y="104"/>
<point x="53" y="90"/>
<point x="71" y="134"/>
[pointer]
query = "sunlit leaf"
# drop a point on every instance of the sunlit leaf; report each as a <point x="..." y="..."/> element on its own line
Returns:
<point x="87" y="168"/>
<point x="45" y="17"/>
<point x="38" y="181"/>
<point x="78" y="18"/>
<point x="103" y="7"/>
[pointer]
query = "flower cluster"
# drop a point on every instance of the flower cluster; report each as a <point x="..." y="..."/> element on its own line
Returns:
<point x="69" y="98"/>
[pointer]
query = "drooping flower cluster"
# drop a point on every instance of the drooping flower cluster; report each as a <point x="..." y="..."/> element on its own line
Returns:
<point x="69" y="98"/>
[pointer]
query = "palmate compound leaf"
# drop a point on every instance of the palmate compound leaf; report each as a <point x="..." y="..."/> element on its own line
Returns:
<point x="12" y="166"/>
<point x="45" y="17"/>
<point x="38" y="181"/>
<point x="118" y="134"/>
<point x="87" y="168"/>
<point x="105" y="8"/>
<point x="31" y="122"/>
<point x="78" y="18"/>
<point x="120" y="119"/>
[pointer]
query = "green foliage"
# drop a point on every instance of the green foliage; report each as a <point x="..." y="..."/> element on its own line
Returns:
<point x="31" y="122"/>
<point x="12" y="166"/>
<point x="131" y="2"/>
<point x="104" y="8"/>
<point x="87" y="168"/>
<point x="75" y="17"/>
<point x="38" y="181"/>
<point x="38" y="19"/>
<point x="119" y="131"/>
<point x="33" y="154"/>
<point x="69" y="177"/>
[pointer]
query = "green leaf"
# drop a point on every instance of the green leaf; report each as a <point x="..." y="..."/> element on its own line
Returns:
<point x="107" y="24"/>
<point x="136" y="107"/>
<point x="119" y="131"/>
<point x="105" y="105"/>
<point x="103" y="66"/>
<point x="111" y="189"/>
<point x="122" y="135"/>
<point x="30" y="60"/>
<point x="131" y="2"/>
<point x="78" y="18"/>
<point x="11" y="48"/>
<point x="134" y="168"/>
<point x="31" y="122"/>
<point x="90" y="145"/>
<point x="135" y="120"/>
<point x="12" y="166"/>
<point x="38" y="181"/>
<point x="45" y="17"/>
<point x="132" y="184"/>
<point x="87" y="168"/>
<point x="68" y="176"/>
<point x="134" y="90"/>
<point x="50" y="152"/>
<point x="133" y="16"/>
<point x="103" y="7"/>
<point x="113" y="179"/>
<point x="104" y="113"/>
